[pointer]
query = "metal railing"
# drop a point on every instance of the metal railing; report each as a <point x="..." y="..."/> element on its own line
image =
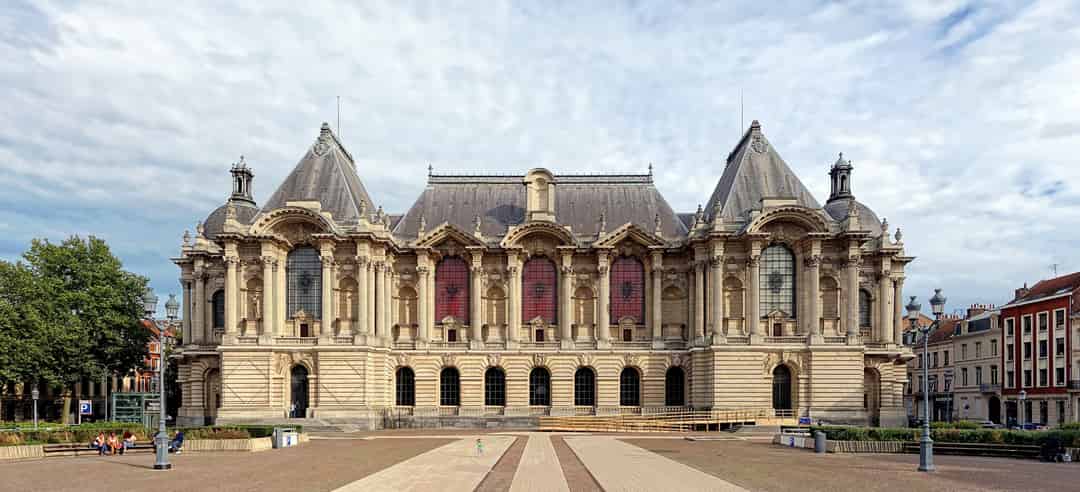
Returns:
<point x="247" y="340"/>
<point x="785" y="339"/>
<point x="678" y="421"/>
<point x="989" y="387"/>
<point x="1074" y="384"/>
<point x="296" y="340"/>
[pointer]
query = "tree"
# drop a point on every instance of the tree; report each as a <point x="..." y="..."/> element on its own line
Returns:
<point x="21" y="326"/>
<point x="80" y="314"/>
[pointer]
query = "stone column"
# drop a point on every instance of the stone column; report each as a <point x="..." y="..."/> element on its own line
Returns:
<point x="231" y="296"/>
<point x="281" y="291"/>
<point x="813" y="267"/>
<point x="753" y="318"/>
<point x="566" y="338"/>
<point x="388" y="302"/>
<point x="717" y="297"/>
<point x="380" y="300"/>
<point x="898" y="320"/>
<point x="200" y="307"/>
<point x="371" y="296"/>
<point x="362" y="292"/>
<point x="423" y="333"/>
<point x="476" y="338"/>
<point x="603" y="329"/>
<point x="699" y="301"/>
<point x="513" y="267"/>
<point x="268" y="293"/>
<point x="185" y="281"/>
<point x="657" y="298"/>
<point x="326" y="317"/>
<point x="885" y="331"/>
<point x="851" y="318"/>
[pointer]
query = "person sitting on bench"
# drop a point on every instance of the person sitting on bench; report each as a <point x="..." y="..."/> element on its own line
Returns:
<point x="128" y="442"/>
<point x="177" y="444"/>
<point x="100" y="444"/>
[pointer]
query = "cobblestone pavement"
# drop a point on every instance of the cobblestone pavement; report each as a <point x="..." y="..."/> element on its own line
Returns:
<point x="552" y="462"/>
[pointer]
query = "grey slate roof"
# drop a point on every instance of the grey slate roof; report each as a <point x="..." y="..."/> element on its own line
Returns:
<point x="754" y="171"/>
<point x="579" y="201"/>
<point x="215" y="222"/>
<point x="326" y="174"/>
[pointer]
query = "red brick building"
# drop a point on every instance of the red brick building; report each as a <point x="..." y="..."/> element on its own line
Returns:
<point x="1037" y="351"/>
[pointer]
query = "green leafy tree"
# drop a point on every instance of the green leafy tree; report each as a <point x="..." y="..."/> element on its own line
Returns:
<point x="87" y="312"/>
<point x="21" y="326"/>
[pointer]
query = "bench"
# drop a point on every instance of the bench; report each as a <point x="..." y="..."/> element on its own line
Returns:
<point x="979" y="449"/>
<point x="77" y="449"/>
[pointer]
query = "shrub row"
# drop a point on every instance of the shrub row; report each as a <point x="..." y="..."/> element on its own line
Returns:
<point x="1068" y="437"/>
<point x="75" y="433"/>
<point x="231" y="431"/>
<point x="960" y="424"/>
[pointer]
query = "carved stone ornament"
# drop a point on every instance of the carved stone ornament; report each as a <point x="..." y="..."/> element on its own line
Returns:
<point x="494" y="360"/>
<point x="449" y="360"/>
<point x="187" y="238"/>
<point x="585" y="360"/>
<point x="322" y="145"/>
<point x="284" y="361"/>
<point x="632" y="360"/>
<point x="795" y="360"/>
<point x="403" y="360"/>
<point x="539" y="360"/>
<point x="757" y="142"/>
<point x="677" y="360"/>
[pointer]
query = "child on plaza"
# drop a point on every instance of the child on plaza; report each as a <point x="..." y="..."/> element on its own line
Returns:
<point x="479" y="447"/>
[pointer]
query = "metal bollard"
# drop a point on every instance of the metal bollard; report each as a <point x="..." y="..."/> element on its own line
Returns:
<point x="819" y="442"/>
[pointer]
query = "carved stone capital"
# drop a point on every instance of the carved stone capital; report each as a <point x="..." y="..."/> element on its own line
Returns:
<point x="327" y="261"/>
<point x="812" y="261"/>
<point x="602" y="269"/>
<point x="753" y="261"/>
<point x="567" y="270"/>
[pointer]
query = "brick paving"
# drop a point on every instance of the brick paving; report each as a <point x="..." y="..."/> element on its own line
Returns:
<point x="577" y="476"/>
<point x="763" y="466"/>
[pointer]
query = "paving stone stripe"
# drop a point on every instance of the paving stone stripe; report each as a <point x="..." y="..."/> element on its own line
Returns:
<point x="619" y="466"/>
<point x="539" y="468"/>
<point x="450" y="468"/>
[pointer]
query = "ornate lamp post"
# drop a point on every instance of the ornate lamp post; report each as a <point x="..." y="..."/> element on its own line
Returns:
<point x="1023" y="396"/>
<point x="926" y="444"/>
<point x="161" y="440"/>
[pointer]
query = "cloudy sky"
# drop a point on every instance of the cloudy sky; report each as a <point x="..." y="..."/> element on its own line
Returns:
<point x="962" y="119"/>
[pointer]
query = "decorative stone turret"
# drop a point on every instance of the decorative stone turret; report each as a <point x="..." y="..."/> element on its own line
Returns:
<point x="840" y="179"/>
<point x="241" y="179"/>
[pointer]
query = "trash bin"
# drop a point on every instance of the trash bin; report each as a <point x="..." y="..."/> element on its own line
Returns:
<point x="819" y="442"/>
<point x="284" y="437"/>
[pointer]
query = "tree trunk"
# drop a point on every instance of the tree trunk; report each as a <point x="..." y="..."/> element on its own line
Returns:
<point x="66" y="407"/>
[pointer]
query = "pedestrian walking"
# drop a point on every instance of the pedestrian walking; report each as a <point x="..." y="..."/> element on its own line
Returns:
<point x="479" y="447"/>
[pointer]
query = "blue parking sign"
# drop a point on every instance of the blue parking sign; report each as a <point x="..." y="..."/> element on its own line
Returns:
<point x="86" y="407"/>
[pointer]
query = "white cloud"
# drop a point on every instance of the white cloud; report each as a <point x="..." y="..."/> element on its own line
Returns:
<point x="121" y="119"/>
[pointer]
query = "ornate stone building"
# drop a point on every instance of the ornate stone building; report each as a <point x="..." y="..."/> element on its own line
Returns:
<point x="536" y="294"/>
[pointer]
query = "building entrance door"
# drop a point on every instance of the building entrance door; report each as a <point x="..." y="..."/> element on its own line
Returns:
<point x="781" y="388"/>
<point x="299" y="390"/>
<point x="994" y="410"/>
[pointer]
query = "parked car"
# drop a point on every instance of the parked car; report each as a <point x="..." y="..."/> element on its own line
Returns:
<point x="986" y="424"/>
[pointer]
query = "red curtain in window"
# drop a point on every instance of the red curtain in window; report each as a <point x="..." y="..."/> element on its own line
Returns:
<point x="627" y="289"/>
<point x="452" y="290"/>
<point x="539" y="293"/>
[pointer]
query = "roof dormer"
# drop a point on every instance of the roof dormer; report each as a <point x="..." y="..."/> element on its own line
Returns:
<point x="540" y="195"/>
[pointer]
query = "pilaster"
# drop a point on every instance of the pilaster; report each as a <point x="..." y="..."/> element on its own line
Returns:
<point x="716" y="262"/>
<point x="603" y="329"/>
<point x="657" y="270"/>
<point x="476" y="274"/>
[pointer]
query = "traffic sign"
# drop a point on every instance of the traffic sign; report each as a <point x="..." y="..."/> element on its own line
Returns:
<point x="86" y="407"/>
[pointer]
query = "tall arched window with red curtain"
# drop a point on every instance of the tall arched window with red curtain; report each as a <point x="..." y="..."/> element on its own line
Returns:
<point x="539" y="290"/>
<point x="627" y="289"/>
<point x="452" y="290"/>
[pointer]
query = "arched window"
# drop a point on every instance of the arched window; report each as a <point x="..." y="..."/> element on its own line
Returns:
<point x="303" y="271"/>
<point x="630" y="388"/>
<point x="452" y="290"/>
<point x="865" y="310"/>
<point x="539" y="292"/>
<point x="781" y="388"/>
<point x="539" y="387"/>
<point x="495" y="387"/>
<point x="777" y="280"/>
<point x="406" y="387"/>
<point x="218" y="304"/>
<point x="675" y="387"/>
<point x="627" y="289"/>
<point x="585" y="387"/>
<point x="449" y="387"/>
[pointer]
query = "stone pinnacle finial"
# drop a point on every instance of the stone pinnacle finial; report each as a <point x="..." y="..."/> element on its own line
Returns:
<point x="603" y="222"/>
<point x="658" y="225"/>
<point x="187" y="238"/>
<point x="899" y="235"/>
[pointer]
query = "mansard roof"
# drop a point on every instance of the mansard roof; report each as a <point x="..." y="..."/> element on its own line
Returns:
<point x="499" y="201"/>
<point x="326" y="174"/>
<point x="754" y="170"/>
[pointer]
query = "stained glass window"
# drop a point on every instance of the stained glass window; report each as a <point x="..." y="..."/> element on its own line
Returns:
<point x="452" y="290"/>
<point x="584" y="387"/>
<point x="539" y="387"/>
<point x="303" y="271"/>
<point x="449" y="387"/>
<point x="777" y="279"/>
<point x="539" y="294"/>
<point x="218" y="304"/>
<point x="406" y="387"/>
<point x="495" y="387"/>
<point x="627" y="289"/>
<point x="630" y="388"/>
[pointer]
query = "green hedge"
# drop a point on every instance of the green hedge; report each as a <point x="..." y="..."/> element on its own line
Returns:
<point x="232" y="431"/>
<point x="76" y="433"/>
<point x="1068" y="437"/>
<point x="961" y="424"/>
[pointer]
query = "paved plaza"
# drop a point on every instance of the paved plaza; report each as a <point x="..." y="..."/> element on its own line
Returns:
<point x="528" y="461"/>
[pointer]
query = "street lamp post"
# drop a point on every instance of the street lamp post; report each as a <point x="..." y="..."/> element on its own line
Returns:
<point x="926" y="443"/>
<point x="161" y="440"/>
<point x="1023" y="396"/>
<point x="34" y="393"/>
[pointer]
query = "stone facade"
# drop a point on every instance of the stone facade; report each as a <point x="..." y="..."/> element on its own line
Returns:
<point x="315" y="305"/>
